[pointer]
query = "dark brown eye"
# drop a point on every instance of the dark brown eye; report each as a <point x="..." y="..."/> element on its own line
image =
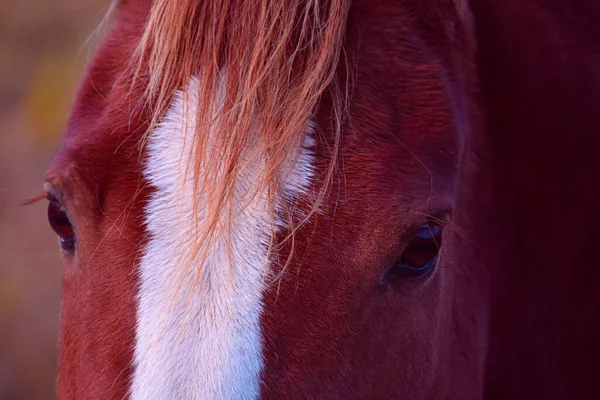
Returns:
<point x="60" y="224"/>
<point x="421" y="255"/>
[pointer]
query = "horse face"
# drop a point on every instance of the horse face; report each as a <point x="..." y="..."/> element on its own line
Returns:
<point x="345" y="321"/>
<point x="371" y="304"/>
<point x="96" y="182"/>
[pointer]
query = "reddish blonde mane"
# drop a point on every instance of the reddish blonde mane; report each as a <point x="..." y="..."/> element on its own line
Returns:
<point x="274" y="58"/>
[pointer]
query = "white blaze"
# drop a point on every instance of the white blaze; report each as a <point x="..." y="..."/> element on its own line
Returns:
<point x="198" y="334"/>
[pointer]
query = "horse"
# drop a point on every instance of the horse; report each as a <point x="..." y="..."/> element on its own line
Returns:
<point x="326" y="199"/>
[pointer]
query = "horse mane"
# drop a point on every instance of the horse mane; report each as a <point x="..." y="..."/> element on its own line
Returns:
<point x="275" y="59"/>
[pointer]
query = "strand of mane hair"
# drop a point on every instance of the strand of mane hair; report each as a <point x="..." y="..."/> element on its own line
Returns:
<point x="274" y="60"/>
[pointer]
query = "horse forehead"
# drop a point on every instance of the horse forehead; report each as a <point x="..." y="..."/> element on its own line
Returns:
<point x="102" y="137"/>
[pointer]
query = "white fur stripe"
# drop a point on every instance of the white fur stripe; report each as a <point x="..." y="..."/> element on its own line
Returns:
<point x="200" y="338"/>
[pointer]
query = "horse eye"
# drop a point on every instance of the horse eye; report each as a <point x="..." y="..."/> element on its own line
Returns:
<point x="60" y="224"/>
<point x="421" y="255"/>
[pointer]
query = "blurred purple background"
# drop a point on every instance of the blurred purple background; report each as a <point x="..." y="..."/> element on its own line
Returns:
<point x="43" y="50"/>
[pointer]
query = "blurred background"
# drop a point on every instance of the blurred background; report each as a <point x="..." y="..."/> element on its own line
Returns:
<point x="43" y="50"/>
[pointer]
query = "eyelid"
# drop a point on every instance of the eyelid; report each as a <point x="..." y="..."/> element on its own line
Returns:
<point x="53" y="192"/>
<point x="49" y="190"/>
<point x="428" y="230"/>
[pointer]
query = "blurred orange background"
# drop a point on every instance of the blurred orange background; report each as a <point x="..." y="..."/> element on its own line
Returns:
<point x="43" y="49"/>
